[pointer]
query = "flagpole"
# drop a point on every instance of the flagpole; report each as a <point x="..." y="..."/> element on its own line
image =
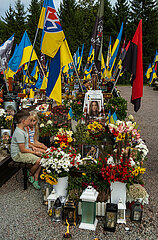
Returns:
<point x="31" y="53"/>
<point x="116" y="80"/>
<point x="77" y="76"/>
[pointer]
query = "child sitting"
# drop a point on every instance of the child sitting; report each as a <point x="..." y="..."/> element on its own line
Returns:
<point x="32" y="130"/>
<point x="20" y="151"/>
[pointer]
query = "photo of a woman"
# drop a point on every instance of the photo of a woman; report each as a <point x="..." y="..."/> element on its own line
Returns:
<point x="94" y="109"/>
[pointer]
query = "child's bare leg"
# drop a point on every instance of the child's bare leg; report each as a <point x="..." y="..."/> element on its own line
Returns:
<point x="35" y="167"/>
<point x="37" y="173"/>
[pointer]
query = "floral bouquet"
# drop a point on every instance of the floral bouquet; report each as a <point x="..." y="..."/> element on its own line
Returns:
<point x="58" y="161"/>
<point x="63" y="138"/>
<point x="136" y="192"/>
<point x="96" y="130"/>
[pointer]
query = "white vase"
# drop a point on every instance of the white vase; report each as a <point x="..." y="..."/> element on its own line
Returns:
<point x="118" y="191"/>
<point x="61" y="187"/>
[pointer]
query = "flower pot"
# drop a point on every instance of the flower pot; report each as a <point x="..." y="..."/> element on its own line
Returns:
<point x="61" y="186"/>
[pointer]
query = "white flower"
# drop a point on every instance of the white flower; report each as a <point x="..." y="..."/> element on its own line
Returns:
<point x="110" y="160"/>
<point x="132" y="162"/>
<point x="2" y="112"/>
<point x="130" y="117"/>
<point x="42" y="125"/>
<point x="49" y="122"/>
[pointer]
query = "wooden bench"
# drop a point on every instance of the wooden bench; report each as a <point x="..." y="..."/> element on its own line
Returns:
<point x="24" y="167"/>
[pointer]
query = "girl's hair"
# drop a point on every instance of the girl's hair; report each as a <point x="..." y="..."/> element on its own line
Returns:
<point x="35" y="116"/>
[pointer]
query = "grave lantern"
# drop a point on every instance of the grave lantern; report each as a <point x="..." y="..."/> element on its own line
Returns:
<point x="51" y="199"/>
<point x="89" y="197"/>
<point x="136" y="212"/>
<point x="57" y="211"/>
<point x="121" y="214"/>
<point x="70" y="213"/>
<point x="110" y="217"/>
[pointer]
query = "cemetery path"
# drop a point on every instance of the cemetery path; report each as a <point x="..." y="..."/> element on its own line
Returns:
<point x="22" y="215"/>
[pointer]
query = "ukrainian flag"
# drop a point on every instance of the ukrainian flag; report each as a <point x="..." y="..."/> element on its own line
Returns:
<point x="21" y="55"/>
<point x="70" y="114"/>
<point x="115" y="50"/>
<point x="32" y="91"/>
<point x="156" y="56"/>
<point x="35" y="71"/>
<point x="80" y="60"/>
<point x="52" y="35"/>
<point x="149" y="70"/>
<point x="153" y="76"/>
<point x="62" y="58"/>
<point x="90" y="58"/>
<point x="113" y="118"/>
<point x="87" y="72"/>
<point x="76" y="58"/>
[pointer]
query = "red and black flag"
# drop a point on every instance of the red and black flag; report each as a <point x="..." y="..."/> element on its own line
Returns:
<point x="133" y="62"/>
<point x="97" y="39"/>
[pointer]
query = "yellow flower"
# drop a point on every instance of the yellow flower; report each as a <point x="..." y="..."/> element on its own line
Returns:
<point x="9" y="118"/>
<point x="90" y="126"/>
<point x="69" y="139"/>
<point x="84" y="174"/>
<point x="135" y="172"/>
<point x="62" y="144"/>
<point x="142" y="170"/>
<point x="42" y="176"/>
<point x="44" y="171"/>
<point x="119" y="137"/>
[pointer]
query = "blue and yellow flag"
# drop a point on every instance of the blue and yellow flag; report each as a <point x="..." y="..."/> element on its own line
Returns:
<point x="149" y="70"/>
<point x="52" y="35"/>
<point x="113" y="118"/>
<point x="153" y="76"/>
<point x="70" y="114"/>
<point x="115" y="49"/>
<point x="35" y="71"/>
<point x="80" y="59"/>
<point x="21" y="55"/>
<point x="156" y="56"/>
<point x="87" y="72"/>
<point x="90" y="58"/>
<point x="62" y="58"/>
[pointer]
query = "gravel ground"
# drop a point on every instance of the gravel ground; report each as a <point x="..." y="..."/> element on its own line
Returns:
<point x="22" y="215"/>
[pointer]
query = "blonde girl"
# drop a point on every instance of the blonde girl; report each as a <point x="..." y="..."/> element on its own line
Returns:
<point x="32" y="130"/>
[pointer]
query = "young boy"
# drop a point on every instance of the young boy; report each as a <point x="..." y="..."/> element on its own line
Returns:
<point x="20" y="151"/>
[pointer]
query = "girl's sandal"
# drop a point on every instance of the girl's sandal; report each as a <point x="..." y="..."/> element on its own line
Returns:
<point x="36" y="186"/>
<point x="30" y="178"/>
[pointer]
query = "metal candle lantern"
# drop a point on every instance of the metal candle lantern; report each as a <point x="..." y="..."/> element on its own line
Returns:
<point x="46" y="189"/>
<point x="70" y="213"/>
<point x="121" y="212"/>
<point x="136" y="212"/>
<point x="51" y="199"/>
<point x="57" y="211"/>
<point x="89" y="197"/>
<point x="110" y="217"/>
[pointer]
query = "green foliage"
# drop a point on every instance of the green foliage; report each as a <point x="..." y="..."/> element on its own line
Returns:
<point x="118" y="105"/>
<point x="77" y="19"/>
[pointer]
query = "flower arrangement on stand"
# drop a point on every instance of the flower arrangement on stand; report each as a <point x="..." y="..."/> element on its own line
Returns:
<point x="58" y="161"/>
<point x="5" y="121"/>
<point x="96" y="130"/>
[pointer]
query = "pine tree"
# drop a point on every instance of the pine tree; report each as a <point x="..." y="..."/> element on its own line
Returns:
<point x="121" y="14"/>
<point x="34" y="11"/>
<point x="67" y="12"/>
<point x="9" y="23"/>
<point x="20" y="16"/>
<point x="147" y="11"/>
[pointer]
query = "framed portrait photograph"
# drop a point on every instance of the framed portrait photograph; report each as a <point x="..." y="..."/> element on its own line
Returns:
<point x="5" y="133"/>
<point x="10" y="107"/>
<point x="93" y="102"/>
<point x="90" y="150"/>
